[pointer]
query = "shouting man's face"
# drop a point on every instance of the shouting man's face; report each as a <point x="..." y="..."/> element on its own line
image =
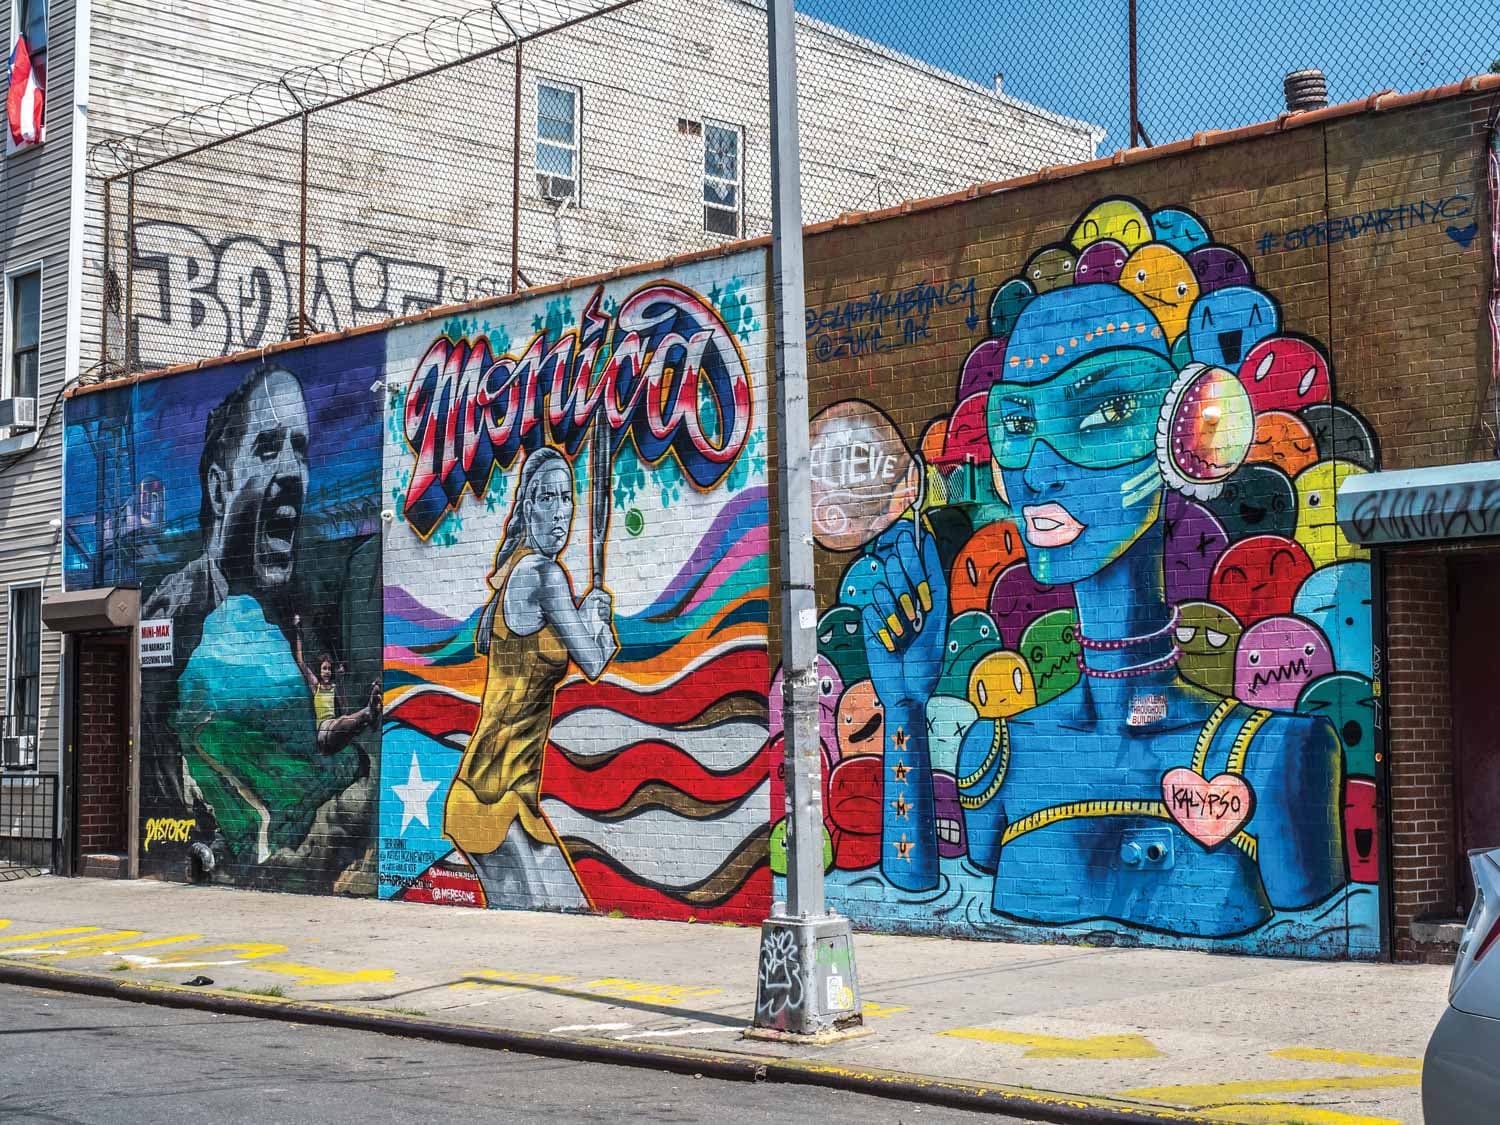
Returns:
<point x="260" y="489"/>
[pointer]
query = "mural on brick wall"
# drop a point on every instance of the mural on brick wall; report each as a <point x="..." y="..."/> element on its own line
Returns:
<point x="577" y="602"/>
<point x="244" y="502"/>
<point x="1101" y="660"/>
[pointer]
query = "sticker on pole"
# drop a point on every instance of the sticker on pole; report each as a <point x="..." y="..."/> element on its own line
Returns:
<point x="156" y="643"/>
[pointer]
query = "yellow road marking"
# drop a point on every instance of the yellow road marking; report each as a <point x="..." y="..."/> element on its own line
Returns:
<point x="1289" y="1113"/>
<point x="1348" y="1058"/>
<point x="1059" y="1047"/>
<point x="500" y="979"/>
<point x="876" y="1011"/>
<point x="313" y="976"/>
<point x="48" y="933"/>
<point x="1218" y="1093"/>
<point x="622" y="988"/>
<point x="244" y="951"/>
<point x="114" y="947"/>
<point x="91" y="945"/>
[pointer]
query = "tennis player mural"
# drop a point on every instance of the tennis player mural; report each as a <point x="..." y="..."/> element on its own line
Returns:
<point x="576" y="602"/>
<point x="1118" y="649"/>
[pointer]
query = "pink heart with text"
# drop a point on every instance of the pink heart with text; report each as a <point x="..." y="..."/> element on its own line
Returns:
<point x="1208" y="811"/>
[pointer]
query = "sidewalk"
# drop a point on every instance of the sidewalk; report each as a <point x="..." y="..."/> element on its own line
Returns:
<point x="1234" y="1039"/>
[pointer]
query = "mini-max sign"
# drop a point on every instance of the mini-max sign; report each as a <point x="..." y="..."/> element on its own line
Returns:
<point x="156" y="643"/>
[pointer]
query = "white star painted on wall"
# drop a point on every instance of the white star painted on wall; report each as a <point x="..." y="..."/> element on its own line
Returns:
<point x="414" y="796"/>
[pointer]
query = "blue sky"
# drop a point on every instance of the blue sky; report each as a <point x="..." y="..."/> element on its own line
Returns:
<point x="1210" y="64"/>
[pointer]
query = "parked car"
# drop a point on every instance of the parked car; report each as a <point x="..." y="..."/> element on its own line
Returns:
<point x="1461" y="1078"/>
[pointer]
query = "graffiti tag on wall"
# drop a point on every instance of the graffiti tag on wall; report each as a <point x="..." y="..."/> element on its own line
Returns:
<point x="197" y="295"/>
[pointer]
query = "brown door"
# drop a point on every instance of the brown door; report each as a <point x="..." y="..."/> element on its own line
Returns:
<point x="1475" y="609"/>
<point x="103" y="733"/>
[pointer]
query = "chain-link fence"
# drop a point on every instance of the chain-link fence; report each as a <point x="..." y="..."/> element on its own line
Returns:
<point x="537" y="140"/>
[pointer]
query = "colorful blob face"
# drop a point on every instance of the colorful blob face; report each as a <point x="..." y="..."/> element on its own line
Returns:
<point x="1179" y="229"/>
<point x="1317" y="522"/>
<point x="1342" y="434"/>
<point x="1283" y="373"/>
<point x="1208" y="637"/>
<point x="1163" y="280"/>
<point x="1361" y="831"/>
<point x="1104" y="261"/>
<point x="1001" y="686"/>
<point x="1259" y="577"/>
<point x="1337" y="600"/>
<point x="1120" y="220"/>
<point x="1051" y="268"/>
<point x="971" y="637"/>
<point x="1348" y="702"/>
<point x="861" y="721"/>
<point x="1051" y="650"/>
<point x="1218" y="267"/>
<point x="1195" y="540"/>
<point x="984" y="557"/>
<point x="1283" y="440"/>
<point x="1209" y="429"/>
<point x="948" y="817"/>
<point x="854" y="811"/>
<point x="1006" y="306"/>
<point x="1257" y="500"/>
<point x="842" y="642"/>
<point x="948" y="720"/>
<point x="1019" y="599"/>
<point x="1224" y="325"/>
<point x="983" y="368"/>
<point x="967" y="440"/>
<point x="778" y="853"/>
<point x="1276" y="659"/>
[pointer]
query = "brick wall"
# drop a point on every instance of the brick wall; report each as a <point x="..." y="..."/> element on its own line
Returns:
<point x="103" y="744"/>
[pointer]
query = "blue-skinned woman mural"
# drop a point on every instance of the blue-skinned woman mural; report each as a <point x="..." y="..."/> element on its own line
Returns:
<point x="1120" y="625"/>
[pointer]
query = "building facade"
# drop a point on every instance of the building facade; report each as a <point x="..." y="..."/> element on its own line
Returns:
<point x="640" y="133"/>
<point x="474" y="606"/>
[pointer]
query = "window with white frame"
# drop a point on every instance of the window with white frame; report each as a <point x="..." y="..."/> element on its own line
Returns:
<point x="23" y="680"/>
<point x="559" y="114"/>
<point x="723" y="179"/>
<point x="23" y="334"/>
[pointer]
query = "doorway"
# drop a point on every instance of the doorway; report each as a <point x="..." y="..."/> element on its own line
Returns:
<point x="1474" y="606"/>
<point x="101" y="782"/>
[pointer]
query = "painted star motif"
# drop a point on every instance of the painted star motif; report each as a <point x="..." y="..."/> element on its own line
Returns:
<point x="900" y="771"/>
<point x="904" y="847"/>
<point x="414" y="796"/>
<point x="900" y="738"/>
<point x="901" y="807"/>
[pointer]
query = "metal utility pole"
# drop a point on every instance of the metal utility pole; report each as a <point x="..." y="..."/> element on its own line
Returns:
<point x="806" y="985"/>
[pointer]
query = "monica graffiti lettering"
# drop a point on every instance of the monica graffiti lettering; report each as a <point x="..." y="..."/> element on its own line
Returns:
<point x="664" y="371"/>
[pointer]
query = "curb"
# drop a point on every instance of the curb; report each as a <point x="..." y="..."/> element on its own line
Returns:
<point x="1038" y="1105"/>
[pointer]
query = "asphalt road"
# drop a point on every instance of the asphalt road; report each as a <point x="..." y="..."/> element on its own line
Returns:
<point x="77" y="1059"/>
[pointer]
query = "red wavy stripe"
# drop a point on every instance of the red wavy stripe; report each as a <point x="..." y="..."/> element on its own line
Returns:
<point x="609" y="786"/>
<point x="437" y="714"/>
<point x="611" y="890"/>
<point x="742" y="670"/>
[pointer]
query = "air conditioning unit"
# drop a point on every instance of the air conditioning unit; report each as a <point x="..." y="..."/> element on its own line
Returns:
<point x="555" y="189"/>
<point x="18" y="751"/>
<point x="18" y="415"/>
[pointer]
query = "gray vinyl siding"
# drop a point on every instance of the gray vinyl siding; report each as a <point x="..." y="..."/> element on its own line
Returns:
<point x="34" y="187"/>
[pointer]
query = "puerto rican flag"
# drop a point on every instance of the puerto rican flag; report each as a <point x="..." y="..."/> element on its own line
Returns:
<point x="26" y="98"/>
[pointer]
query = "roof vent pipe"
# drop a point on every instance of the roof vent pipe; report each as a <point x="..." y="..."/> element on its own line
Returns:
<point x="1305" y="90"/>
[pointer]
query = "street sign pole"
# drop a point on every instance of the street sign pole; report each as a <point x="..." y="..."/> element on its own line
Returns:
<point x="807" y="984"/>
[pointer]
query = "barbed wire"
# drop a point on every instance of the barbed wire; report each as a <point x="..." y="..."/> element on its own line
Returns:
<point x="444" y="41"/>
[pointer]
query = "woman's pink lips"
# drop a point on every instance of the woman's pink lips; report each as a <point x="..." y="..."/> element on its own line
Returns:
<point x="1050" y="525"/>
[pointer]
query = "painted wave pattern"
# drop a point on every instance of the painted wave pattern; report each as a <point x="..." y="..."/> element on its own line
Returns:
<point x="657" y="777"/>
